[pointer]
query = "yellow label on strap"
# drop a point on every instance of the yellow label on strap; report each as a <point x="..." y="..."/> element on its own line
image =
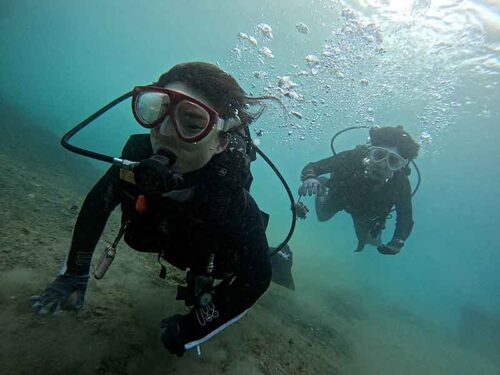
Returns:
<point x="127" y="175"/>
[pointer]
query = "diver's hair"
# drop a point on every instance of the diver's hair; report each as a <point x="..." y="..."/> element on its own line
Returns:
<point x="219" y="87"/>
<point x="396" y="136"/>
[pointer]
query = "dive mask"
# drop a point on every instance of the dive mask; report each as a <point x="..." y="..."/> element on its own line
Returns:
<point x="392" y="159"/>
<point x="192" y="119"/>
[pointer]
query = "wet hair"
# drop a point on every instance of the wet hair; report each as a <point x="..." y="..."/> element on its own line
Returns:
<point x="219" y="87"/>
<point x="397" y="137"/>
<point x="228" y="170"/>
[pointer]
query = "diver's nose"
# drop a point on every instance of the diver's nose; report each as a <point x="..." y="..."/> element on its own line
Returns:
<point x="166" y="127"/>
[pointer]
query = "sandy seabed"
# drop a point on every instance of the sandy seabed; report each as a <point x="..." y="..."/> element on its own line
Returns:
<point x="310" y="331"/>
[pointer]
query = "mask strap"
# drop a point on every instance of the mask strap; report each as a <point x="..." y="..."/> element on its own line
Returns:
<point x="231" y="123"/>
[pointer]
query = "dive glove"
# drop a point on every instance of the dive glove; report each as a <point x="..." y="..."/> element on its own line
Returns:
<point x="310" y="186"/>
<point x="392" y="248"/>
<point x="66" y="292"/>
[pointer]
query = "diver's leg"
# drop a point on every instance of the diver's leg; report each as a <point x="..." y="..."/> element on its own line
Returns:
<point x="375" y="232"/>
<point x="326" y="207"/>
<point x="362" y="229"/>
<point x="327" y="204"/>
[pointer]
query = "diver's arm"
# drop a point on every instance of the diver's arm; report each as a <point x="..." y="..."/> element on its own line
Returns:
<point x="404" y="219"/>
<point x="95" y="211"/>
<point x="315" y="169"/>
<point x="327" y="165"/>
<point x="67" y="291"/>
<point x="252" y="278"/>
<point x="97" y="207"/>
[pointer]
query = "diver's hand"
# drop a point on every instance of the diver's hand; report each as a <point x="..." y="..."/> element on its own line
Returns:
<point x="392" y="248"/>
<point x="310" y="186"/>
<point x="66" y="292"/>
<point x="171" y="335"/>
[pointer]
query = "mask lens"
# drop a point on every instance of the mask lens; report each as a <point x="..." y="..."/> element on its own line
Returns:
<point x="378" y="154"/>
<point x="151" y="106"/>
<point x="191" y="119"/>
<point x="395" y="161"/>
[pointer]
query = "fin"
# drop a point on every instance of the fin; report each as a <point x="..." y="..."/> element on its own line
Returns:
<point x="265" y="218"/>
<point x="360" y="247"/>
<point x="282" y="263"/>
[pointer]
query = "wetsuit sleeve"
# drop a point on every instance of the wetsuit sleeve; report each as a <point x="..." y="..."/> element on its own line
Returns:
<point x="404" y="212"/>
<point x="95" y="211"/>
<point x="328" y="165"/>
<point x="98" y="206"/>
<point x="252" y="278"/>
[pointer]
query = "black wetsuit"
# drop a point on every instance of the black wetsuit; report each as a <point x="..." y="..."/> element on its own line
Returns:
<point x="219" y="218"/>
<point x="368" y="202"/>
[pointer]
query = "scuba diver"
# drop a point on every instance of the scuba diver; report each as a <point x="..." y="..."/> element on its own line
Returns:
<point x="367" y="182"/>
<point x="183" y="191"/>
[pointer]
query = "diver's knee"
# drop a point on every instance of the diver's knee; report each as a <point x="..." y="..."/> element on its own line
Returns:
<point x="322" y="216"/>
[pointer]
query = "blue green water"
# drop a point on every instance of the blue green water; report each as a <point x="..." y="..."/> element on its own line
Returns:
<point x="432" y="66"/>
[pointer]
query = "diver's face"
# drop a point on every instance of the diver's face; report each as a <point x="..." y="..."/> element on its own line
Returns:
<point x="382" y="162"/>
<point x="377" y="171"/>
<point x="190" y="156"/>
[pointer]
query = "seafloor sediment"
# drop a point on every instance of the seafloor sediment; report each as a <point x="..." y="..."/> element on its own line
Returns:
<point x="118" y="330"/>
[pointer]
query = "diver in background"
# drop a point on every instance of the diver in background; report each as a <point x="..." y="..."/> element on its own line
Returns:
<point x="206" y="221"/>
<point x="367" y="182"/>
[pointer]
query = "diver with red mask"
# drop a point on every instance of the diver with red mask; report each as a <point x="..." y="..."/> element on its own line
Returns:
<point x="183" y="193"/>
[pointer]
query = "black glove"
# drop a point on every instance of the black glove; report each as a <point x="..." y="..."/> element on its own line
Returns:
<point x="66" y="292"/>
<point x="171" y="335"/>
<point x="392" y="248"/>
